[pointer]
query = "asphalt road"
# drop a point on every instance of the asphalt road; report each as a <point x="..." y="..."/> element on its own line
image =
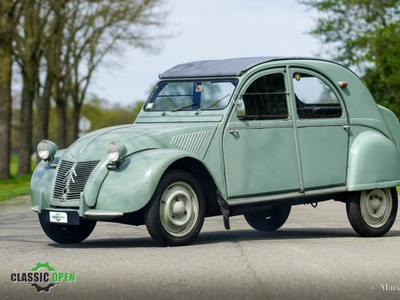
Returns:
<point x="315" y="255"/>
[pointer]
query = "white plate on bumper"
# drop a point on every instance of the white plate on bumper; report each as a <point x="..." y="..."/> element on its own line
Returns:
<point x="59" y="217"/>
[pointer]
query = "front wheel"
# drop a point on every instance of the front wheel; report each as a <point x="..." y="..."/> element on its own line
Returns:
<point x="372" y="213"/>
<point x="268" y="220"/>
<point x="68" y="234"/>
<point x="175" y="214"/>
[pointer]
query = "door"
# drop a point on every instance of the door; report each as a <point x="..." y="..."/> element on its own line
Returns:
<point x="259" y="146"/>
<point x="321" y="127"/>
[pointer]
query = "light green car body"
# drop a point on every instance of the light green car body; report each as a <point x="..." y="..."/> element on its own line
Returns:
<point x="240" y="163"/>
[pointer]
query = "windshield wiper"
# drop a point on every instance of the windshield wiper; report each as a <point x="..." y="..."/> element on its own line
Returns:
<point x="178" y="109"/>
<point x="211" y="105"/>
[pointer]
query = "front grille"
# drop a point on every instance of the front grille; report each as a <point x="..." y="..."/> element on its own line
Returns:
<point x="71" y="179"/>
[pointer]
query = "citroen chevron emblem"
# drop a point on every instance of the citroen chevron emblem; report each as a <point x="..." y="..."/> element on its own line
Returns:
<point x="70" y="175"/>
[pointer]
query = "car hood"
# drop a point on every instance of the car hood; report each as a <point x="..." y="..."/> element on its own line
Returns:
<point x="137" y="137"/>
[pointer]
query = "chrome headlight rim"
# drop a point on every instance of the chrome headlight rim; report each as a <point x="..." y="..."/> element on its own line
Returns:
<point x="46" y="150"/>
<point x="116" y="151"/>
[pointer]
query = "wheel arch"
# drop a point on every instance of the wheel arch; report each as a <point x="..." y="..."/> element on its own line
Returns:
<point x="202" y="174"/>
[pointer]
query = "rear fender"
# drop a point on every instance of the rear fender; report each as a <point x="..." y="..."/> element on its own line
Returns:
<point x="392" y="123"/>
<point x="374" y="162"/>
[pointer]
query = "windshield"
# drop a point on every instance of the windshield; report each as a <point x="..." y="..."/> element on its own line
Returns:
<point x="191" y="95"/>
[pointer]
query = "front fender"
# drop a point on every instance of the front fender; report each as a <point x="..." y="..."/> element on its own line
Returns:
<point x="374" y="162"/>
<point x="42" y="180"/>
<point x="131" y="187"/>
<point x="43" y="174"/>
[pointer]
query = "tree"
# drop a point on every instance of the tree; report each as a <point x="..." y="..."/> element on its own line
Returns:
<point x="94" y="30"/>
<point x="364" y="34"/>
<point x="101" y="114"/>
<point x="52" y="45"/>
<point x="9" y="16"/>
<point x="58" y="45"/>
<point x="28" y="51"/>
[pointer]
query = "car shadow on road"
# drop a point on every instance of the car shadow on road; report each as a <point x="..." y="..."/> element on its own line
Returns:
<point x="283" y="234"/>
<point x="131" y="242"/>
<point x="214" y="237"/>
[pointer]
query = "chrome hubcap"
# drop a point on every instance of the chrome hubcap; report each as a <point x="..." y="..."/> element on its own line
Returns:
<point x="179" y="209"/>
<point x="376" y="206"/>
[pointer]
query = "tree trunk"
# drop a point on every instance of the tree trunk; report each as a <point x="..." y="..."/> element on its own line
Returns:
<point x="35" y="16"/>
<point x="28" y="93"/>
<point x="43" y="108"/>
<point x="61" y="125"/>
<point x="75" y="122"/>
<point x="8" y="17"/>
<point x="52" y="54"/>
<point x="5" y="105"/>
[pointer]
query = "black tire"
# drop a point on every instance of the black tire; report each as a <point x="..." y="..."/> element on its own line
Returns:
<point x="68" y="234"/>
<point x="268" y="220"/>
<point x="175" y="214"/>
<point x="372" y="213"/>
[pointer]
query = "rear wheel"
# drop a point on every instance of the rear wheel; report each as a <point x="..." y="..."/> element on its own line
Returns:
<point x="68" y="234"/>
<point x="268" y="220"/>
<point x="372" y="213"/>
<point x="176" y="212"/>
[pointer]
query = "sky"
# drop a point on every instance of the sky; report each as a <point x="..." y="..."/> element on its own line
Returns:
<point x="209" y="29"/>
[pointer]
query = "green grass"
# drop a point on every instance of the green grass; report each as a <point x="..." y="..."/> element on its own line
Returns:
<point x="16" y="186"/>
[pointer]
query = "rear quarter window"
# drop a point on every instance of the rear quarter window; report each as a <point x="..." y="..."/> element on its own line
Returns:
<point x="315" y="98"/>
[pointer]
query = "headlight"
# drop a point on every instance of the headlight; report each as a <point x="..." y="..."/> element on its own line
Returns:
<point x="46" y="150"/>
<point x="116" y="151"/>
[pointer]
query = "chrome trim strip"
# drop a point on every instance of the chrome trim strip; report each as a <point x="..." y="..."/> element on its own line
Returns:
<point x="95" y="212"/>
<point x="102" y="215"/>
<point x="268" y="198"/>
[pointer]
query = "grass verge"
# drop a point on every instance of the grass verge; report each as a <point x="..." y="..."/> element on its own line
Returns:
<point x="16" y="186"/>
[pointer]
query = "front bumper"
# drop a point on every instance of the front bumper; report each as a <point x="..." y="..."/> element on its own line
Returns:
<point x="83" y="211"/>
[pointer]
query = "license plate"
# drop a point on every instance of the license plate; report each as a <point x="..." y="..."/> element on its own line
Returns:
<point x="58" y="217"/>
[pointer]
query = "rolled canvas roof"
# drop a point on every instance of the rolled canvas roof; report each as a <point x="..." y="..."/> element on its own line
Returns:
<point x="212" y="68"/>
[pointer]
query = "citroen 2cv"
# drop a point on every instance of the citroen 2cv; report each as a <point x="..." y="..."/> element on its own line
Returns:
<point x="248" y="136"/>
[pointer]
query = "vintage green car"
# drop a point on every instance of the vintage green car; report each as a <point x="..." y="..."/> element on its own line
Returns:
<point x="249" y="136"/>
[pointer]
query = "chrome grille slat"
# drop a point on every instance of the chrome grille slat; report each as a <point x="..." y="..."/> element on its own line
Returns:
<point x="71" y="179"/>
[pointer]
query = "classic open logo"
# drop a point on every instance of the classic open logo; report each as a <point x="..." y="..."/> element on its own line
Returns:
<point x="58" y="217"/>
<point x="43" y="277"/>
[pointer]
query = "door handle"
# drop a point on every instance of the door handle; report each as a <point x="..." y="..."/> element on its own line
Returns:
<point x="233" y="131"/>
<point x="347" y="128"/>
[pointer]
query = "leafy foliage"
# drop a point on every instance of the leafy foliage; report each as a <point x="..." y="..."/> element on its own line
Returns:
<point x="364" y="34"/>
<point x="101" y="115"/>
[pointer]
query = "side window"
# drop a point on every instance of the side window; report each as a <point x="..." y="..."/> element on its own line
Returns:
<point x="314" y="98"/>
<point x="265" y="99"/>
